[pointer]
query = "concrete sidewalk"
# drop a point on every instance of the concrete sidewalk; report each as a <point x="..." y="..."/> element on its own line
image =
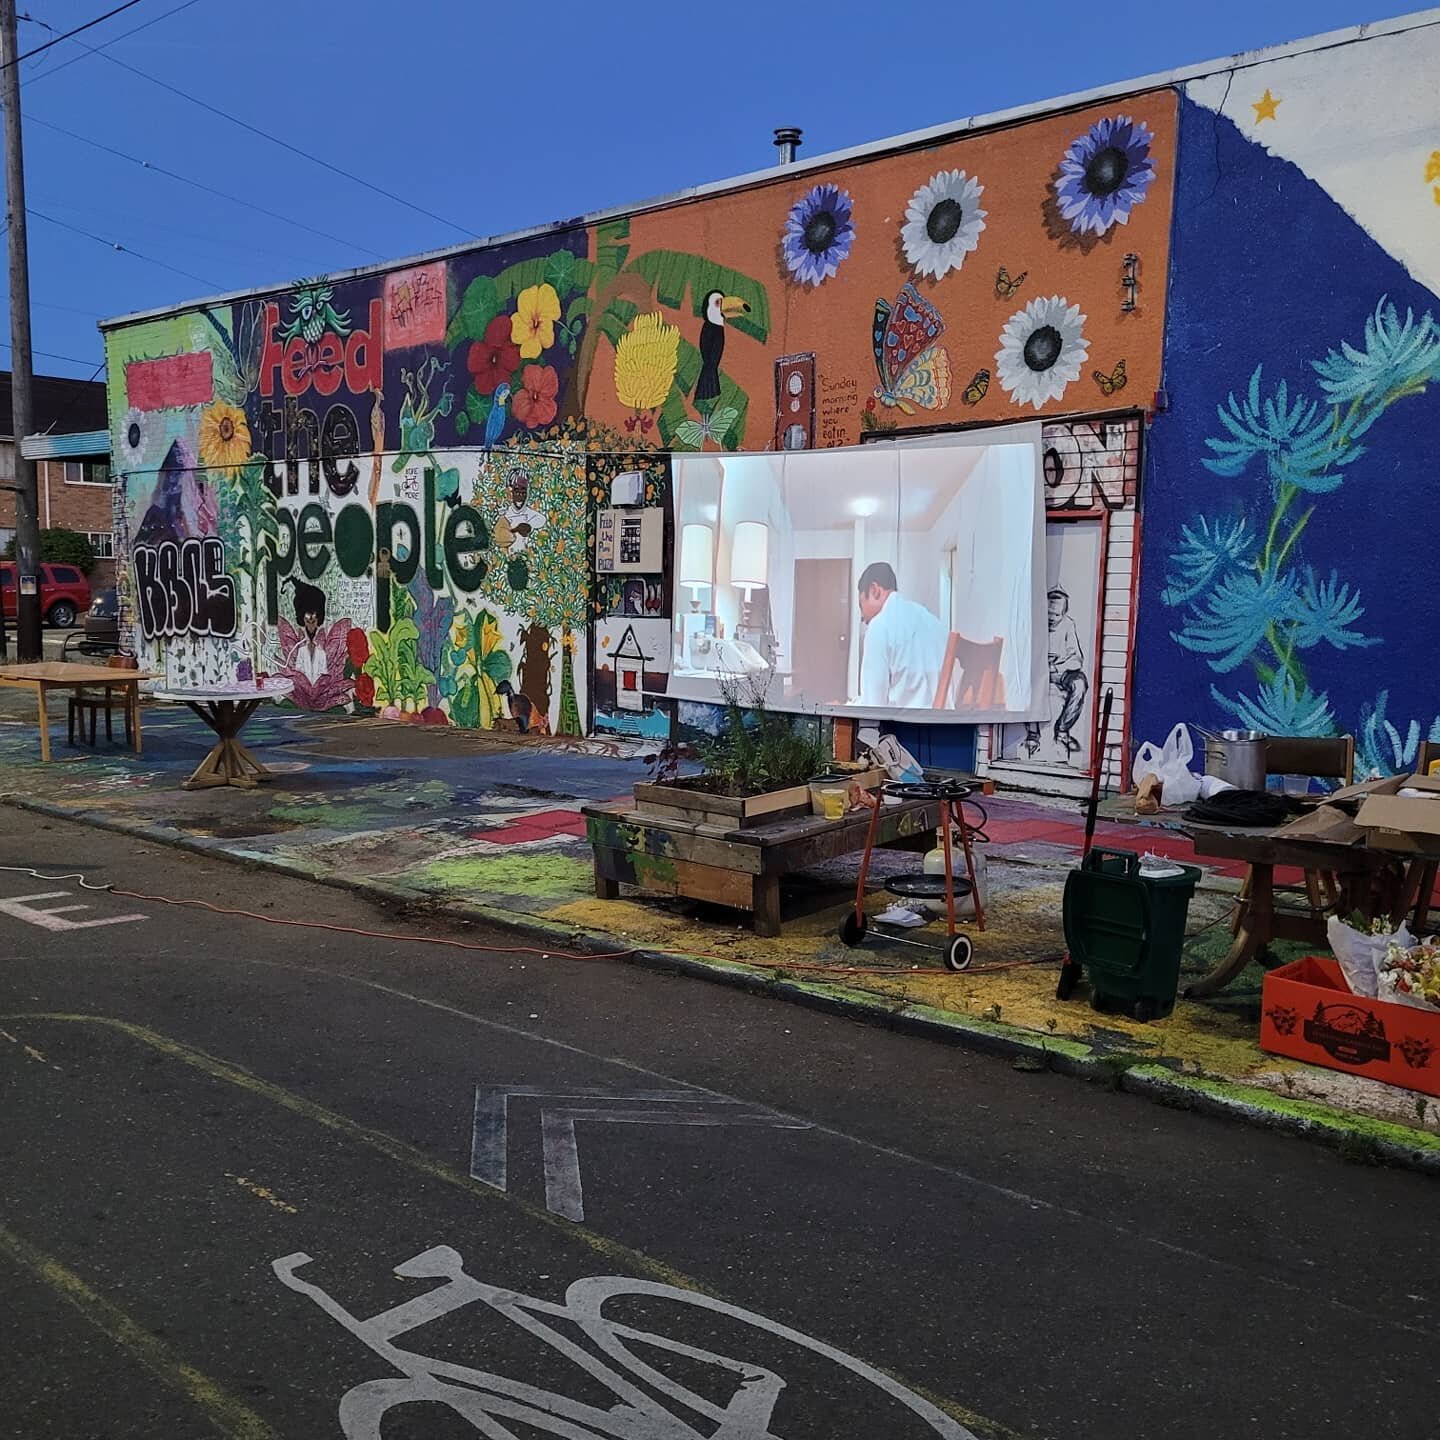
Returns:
<point x="489" y="826"/>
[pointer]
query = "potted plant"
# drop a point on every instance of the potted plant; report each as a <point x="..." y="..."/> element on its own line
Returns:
<point x="758" y="769"/>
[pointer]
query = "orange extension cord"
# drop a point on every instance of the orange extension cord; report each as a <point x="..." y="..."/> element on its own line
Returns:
<point x="801" y="966"/>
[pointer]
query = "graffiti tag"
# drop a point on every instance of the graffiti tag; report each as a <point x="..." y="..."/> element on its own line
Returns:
<point x="739" y="1396"/>
<point x="1080" y="459"/>
<point x="183" y="589"/>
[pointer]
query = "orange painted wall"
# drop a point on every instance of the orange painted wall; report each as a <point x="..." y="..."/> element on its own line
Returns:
<point x="1018" y="168"/>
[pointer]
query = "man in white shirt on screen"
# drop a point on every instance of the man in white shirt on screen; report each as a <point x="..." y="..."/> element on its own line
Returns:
<point x="904" y="645"/>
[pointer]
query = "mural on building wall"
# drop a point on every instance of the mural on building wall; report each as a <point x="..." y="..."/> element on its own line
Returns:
<point x="393" y="476"/>
<point x="1287" y="565"/>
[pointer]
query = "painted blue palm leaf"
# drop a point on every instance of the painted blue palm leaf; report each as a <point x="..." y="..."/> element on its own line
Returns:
<point x="1301" y="442"/>
<point x="1325" y="610"/>
<point x="1281" y="708"/>
<point x="1398" y="357"/>
<point x="1207" y="549"/>
<point x="1236" y="616"/>
<point x="1380" y="747"/>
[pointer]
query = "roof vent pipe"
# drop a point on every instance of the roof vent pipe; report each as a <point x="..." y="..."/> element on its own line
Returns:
<point x="787" y="142"/>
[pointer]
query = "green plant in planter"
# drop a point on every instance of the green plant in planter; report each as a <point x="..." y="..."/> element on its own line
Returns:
<point x="758" y="750"/>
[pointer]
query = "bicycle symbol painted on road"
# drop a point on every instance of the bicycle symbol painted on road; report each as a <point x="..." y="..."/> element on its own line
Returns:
<point x="648" y="1404"/>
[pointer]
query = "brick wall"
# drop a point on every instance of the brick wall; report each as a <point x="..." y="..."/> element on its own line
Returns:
<point x="67" y="501"/>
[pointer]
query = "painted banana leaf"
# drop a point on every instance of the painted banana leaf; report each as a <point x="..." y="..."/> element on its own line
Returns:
<point x="672" y="274"/>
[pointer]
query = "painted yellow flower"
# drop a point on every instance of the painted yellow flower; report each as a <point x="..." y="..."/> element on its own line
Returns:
<point x="1432" y="173"/>
<point x="532" y="326"/>
<point x="490" y="638"/>
<point x="224" y="439"/>
<point x="645" y="362"/>
<point x="459" y="632"/>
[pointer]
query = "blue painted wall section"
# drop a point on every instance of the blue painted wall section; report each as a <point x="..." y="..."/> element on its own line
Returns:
<point x="1290" y="561"/>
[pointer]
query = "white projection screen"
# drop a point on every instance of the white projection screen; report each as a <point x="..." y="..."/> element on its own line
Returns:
<point x="903" y="579"/>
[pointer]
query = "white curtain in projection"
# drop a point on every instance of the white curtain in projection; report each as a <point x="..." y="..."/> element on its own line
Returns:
<point x="946" y="531"/>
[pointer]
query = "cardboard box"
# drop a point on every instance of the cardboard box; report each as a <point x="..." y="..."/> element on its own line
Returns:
<point x="1309" y="1013"/>
<point x="1406" y="823"/>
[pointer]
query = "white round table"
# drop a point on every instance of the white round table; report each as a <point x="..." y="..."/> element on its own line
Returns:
<point x="225" y="710"/>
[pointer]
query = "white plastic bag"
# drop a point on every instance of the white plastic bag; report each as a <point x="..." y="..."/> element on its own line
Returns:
<point x="1171" y="764"/>
<point x="896" y="760"/>
<point x="1360" y="954"/>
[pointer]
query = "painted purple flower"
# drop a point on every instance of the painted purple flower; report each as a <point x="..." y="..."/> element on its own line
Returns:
<point x="819" y="232"/>
<point x="1106" y="172"/>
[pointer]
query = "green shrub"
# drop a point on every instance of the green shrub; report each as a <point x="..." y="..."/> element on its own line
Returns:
<point x="61" y="547"/>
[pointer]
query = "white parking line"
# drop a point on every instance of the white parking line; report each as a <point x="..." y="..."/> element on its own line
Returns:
<point x="19" y="907"/>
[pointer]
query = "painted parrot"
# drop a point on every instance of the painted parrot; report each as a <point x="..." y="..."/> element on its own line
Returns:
<point x="495" y="420"/>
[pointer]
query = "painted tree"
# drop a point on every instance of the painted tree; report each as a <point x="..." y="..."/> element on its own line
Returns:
<point x="543" y="578"/>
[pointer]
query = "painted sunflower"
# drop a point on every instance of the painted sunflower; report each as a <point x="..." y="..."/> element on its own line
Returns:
<point x="819" y="232"/>
<point x="1105" y="174"/>
<point x="943" y="222"/>
<point x="1042" y="350"/>
<point x="224" y="439"/>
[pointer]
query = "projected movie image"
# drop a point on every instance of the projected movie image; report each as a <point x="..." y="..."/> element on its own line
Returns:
<point x="905" y="577"/>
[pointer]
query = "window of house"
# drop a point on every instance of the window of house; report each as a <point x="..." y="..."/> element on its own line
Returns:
<point x="65" y="575"/>
<point x="87" y="472"/>
<point x="102" y="542"/>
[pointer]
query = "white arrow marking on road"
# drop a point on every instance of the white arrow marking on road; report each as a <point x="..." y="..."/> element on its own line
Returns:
<point x="18" y="908"/>
<point x="564" y="1195"/>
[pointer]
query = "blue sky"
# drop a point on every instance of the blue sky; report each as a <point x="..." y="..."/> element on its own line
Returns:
<point x="492" y="118"/>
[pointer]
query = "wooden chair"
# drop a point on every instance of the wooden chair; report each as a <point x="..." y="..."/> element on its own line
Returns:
<point x="91" y="704"/>
<point x="982" y="686"/>
<point x="1429" y="754"/>
<point x="1330" y="757"/>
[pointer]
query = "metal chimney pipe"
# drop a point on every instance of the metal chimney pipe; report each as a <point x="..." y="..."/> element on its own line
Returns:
<point x="787" y="142"/>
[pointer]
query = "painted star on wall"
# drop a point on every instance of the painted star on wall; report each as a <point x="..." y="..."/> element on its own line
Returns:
<point x="1265" y="106"/>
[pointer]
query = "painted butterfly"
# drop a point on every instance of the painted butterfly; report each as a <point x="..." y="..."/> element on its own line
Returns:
<point x="1116" y="380"/>
<point x="716" y="426"/>
<point x="1005" y="287"/>
<point x="914" y="369"/>
<point x="975" y="390"/>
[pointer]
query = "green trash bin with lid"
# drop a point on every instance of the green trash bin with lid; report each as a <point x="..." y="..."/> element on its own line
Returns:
<point x="1126" y="930"/>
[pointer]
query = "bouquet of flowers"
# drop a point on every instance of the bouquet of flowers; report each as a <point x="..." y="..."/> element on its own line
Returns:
<point x="1360" y="947"/>
<point x="1410" y="975"/>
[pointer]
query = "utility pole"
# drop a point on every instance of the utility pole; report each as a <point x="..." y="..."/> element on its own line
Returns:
<point x="27" y="505"/>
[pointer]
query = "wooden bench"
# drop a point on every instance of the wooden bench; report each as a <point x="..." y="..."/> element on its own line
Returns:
<point x="735" y="867"/>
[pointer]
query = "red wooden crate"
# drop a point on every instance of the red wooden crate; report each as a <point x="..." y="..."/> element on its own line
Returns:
<point x="1309" y="1013"/>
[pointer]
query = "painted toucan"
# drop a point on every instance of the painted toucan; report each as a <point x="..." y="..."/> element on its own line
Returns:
<point x="719" y="307"/>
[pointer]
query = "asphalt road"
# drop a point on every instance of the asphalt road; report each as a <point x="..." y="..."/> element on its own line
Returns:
<point x="221" y="1139"/>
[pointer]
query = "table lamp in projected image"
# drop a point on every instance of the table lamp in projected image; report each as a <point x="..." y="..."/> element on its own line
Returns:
<point x="750" y="574"/>
<point x="697" y="573"/>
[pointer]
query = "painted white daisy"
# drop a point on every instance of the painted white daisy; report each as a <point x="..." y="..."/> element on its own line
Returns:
<point x="132" y="436"/>
<point x="943" y="222"/>
<point x="1042" y="349"/>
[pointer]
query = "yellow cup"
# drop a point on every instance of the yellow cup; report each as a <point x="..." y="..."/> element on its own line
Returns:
<point x="833" y="802"/>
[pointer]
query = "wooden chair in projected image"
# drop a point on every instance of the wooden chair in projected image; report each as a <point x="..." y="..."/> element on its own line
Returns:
<point x="982" y="686"/>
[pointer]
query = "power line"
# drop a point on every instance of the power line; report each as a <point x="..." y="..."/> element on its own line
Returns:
<point x="284" y="144"/>
<point x="87" y="50"/>
<point x="88" y="25"/>
<point x="124" y="249"/>
<point x="50" y="355"/>
<point x="199" y="185"/>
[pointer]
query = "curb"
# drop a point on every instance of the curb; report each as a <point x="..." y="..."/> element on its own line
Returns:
<point x="1358" y="1137"/>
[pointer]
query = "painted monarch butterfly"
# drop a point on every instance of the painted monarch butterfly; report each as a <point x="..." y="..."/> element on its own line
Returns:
<point x="975" y="390"/>
<point x="1116" y="380"/>
<point x="1007" y="288"/>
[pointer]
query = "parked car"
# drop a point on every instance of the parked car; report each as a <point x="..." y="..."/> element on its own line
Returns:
<point x="101" y="635"/>
<point x="64" y="593"/>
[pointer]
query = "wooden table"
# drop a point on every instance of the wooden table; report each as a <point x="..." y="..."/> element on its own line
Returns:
<point x="225" y="712"/>
<point x="1374" y="882"/>
<point x="735" y="867"/>
<point x="50" y="675"/>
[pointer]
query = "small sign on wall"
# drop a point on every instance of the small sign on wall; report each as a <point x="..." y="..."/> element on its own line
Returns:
<point x="629" y="542"/>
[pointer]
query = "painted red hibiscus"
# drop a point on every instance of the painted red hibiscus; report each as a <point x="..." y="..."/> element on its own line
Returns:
<point x="365" y="690"/>
<point x="492" y="361"/>
<point x="534" y="403"/>
<point x="357" y="647"/>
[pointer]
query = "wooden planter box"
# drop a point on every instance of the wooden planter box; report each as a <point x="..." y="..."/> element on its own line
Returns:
<point x="679" y="802"/>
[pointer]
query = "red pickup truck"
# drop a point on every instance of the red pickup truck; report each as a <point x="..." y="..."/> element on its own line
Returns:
<point x="64" y="593"/>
